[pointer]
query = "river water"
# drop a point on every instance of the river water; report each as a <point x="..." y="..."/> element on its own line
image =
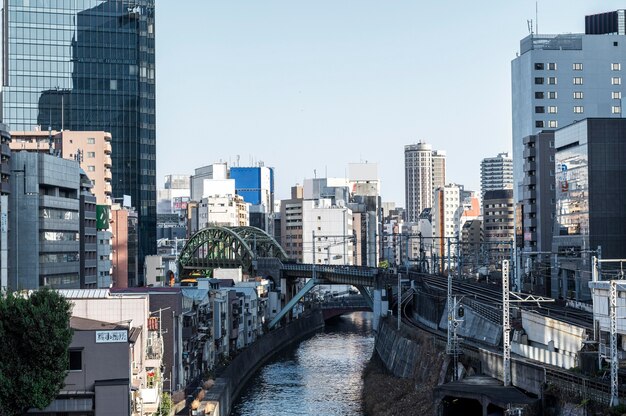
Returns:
<point x="319" y="376"/>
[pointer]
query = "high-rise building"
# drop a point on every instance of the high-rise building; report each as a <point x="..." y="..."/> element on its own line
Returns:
<point x="84" y="66"/>
<point x="256" y="186"/>
<point x="124" y="242"/>
<point x="215" y="171"/>
<point x="496" y="173"/>
<point x="558" y="79"/>
<point x="445" y="217"/>
<point x="439" y="169"/>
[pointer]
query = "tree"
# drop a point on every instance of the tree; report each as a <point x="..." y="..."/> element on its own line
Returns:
<point x="165" y="407"/>
<point x="34" y="338"/>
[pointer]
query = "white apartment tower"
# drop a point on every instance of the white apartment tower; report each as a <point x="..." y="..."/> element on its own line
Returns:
<point x="496" y="173"/>
<point x="424" y="171"/>
<point x="445" y="215"/>
<point x="560" y="79"/>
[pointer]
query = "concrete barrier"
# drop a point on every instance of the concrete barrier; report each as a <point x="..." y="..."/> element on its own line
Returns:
<point x="544" y="356"/>
<point x="227" y="387"/>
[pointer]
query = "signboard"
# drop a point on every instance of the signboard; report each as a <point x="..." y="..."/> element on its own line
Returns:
<point x="111" y="336"/>
<point x="102" y="217"/>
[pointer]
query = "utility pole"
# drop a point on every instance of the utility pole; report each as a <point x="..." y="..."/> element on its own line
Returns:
<point x="399" y="287"/>
<point x="614" y="359"/>
<point x="449" y="348"/>
<point x="506" y="325"/>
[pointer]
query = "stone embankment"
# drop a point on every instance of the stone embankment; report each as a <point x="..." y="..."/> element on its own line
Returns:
<point x="218" y="399"/>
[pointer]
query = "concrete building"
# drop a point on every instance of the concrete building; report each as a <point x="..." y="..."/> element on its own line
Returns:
<point x="45" y="222"/>
<point x="124" y="242"/>
<point x="291" y="224"/>
<point x="418" y="168"/>
<point x="88" y="256"/>
<point x="92" y="149"/>
<point x="366" y="206"/>
<point x="445" y="218"/>
<point x="146" y="358"/>
<point x="471" y="242"/>
<point x="558" y="79"/>
<point x="600" y="295"/>
<point x="498" y="225"/>
<point x="425" y="172"/>
<point x="176" y="192"/>
<point x="216" y="171"/>
<point x="100" y="363"/>
<point x="224" y="210"/>
<point x="496" y="173"/>
<point x="5" y="190"/>
<point x="439" y="169"/>
<point x="590" y="184"/>
<point x="335" y="189"/>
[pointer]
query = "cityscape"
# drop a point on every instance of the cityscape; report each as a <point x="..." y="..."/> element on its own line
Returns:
<point x="306" y="275"/>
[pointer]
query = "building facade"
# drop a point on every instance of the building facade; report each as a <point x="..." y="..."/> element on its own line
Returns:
<point x="445" y="217"/>
<point x="5" y="190"/>
<point x="125" y="247"/>
<point x="498" y="225"/>
<point x="45" y="222"/>
<point x="558" y="79"/>
<point x="496" y="173"/>
<point x="59" y="74"/>
<point x="590" y="189"/>
<point x="418" y="179"/>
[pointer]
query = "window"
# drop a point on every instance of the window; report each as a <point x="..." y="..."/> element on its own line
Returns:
<point x="578" y="80"/>
<point x="616" y="109"/>
<point x="578" y="109"/>
<point x="113" y="85"/>
<point x="552" y="66"/>
<point x="538" y="66"/>
<point x="91" y="168"/>
<point x="552" y="109"/>
<point x="552" y="95"/>
<point x="539" y="124"/>
<point x="577" y="67"/>
<point x="616" y="80"/>
<point x="538" y="80"/>
<point x="540" y="109"/>
<point x="616" y="67"/>
<point x="578" y="95"/>
<point x="552" y="80"/>
<point x="539" y="95"/>
<point x="553" y="124"/>
<point x="616" y="95"/>
<point x="91" y="140"/>
<point x="91" y="154"/>
<point x="76" y="360"/>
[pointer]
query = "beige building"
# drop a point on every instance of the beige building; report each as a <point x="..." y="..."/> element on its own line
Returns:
<point x="91" y="148"/>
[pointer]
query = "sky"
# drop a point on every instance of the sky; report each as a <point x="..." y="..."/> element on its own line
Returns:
<point x="310" y="86"/>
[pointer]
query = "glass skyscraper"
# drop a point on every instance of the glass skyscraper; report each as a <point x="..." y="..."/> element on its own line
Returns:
<point x="88" y="65"/>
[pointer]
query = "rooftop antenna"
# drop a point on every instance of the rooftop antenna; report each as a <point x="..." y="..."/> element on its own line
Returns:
<point x="530" y="26"/>
<point x="315" y="173"/>
<point x="537" y="17"/>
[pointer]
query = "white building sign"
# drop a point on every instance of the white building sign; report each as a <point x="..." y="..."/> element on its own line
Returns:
<point x="111" y="336"/>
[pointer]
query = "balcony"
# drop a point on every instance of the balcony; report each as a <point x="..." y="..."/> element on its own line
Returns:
<point x="530" y="166"/>
<point x="530" y="180"/>
<point x="107" y="161"/>
<point x="108" y="189"/>
<point x="107" y="148"/>
<point x="530" y="152"/>
<point x="107" y="175"/>
<point x="530" y="194"/>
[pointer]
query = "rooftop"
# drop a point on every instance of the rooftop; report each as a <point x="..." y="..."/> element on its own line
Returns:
<point x="83" y="324"/>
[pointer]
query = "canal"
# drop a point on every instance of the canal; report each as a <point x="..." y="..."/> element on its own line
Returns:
<point x="319" y="376"/>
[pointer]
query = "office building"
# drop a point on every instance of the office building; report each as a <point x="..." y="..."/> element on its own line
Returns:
<point x="590" y="199"/>
<point x="256" y="186"/>
<point x="45" y="222"/>
<point x="558" y="79"/>
<point x="86" y="66"/>
<point x="366" y="206"/>
<point x="175" y="195"/>
<point x="5" y="191"/>
<point x="496" y="173"/>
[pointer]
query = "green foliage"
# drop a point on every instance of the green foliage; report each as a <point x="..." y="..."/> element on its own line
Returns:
<point x="34" y="338"/>
<point x="166" y="405"/>
<point x="383" y="264"/>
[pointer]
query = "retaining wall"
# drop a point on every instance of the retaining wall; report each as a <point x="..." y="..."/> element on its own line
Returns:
<point x="229" y="385"/>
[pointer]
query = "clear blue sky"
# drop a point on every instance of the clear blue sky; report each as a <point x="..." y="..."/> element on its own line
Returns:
<point x="305" y="85"/>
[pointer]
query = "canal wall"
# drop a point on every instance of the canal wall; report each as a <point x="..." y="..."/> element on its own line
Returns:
<point x="227" y="387"/>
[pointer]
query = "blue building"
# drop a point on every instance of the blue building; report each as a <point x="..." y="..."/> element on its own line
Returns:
<point x="256" y="186"/>
<point x="88" y="65"/>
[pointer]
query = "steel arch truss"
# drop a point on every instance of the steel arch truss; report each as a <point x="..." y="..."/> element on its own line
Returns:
<point x="226" y="247"/>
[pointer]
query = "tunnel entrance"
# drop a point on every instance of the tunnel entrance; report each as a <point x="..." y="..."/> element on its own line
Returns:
<point x="493" y="410"/>
<point x="456" y="406"/>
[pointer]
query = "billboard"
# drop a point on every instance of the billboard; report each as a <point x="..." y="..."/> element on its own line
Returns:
<point x="102" y="217"/>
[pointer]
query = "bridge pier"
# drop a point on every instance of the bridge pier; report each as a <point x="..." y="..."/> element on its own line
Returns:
<point x="380" y="307"/>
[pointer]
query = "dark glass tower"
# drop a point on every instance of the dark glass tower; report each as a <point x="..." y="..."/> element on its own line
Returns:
<point x="88" y="65"/>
